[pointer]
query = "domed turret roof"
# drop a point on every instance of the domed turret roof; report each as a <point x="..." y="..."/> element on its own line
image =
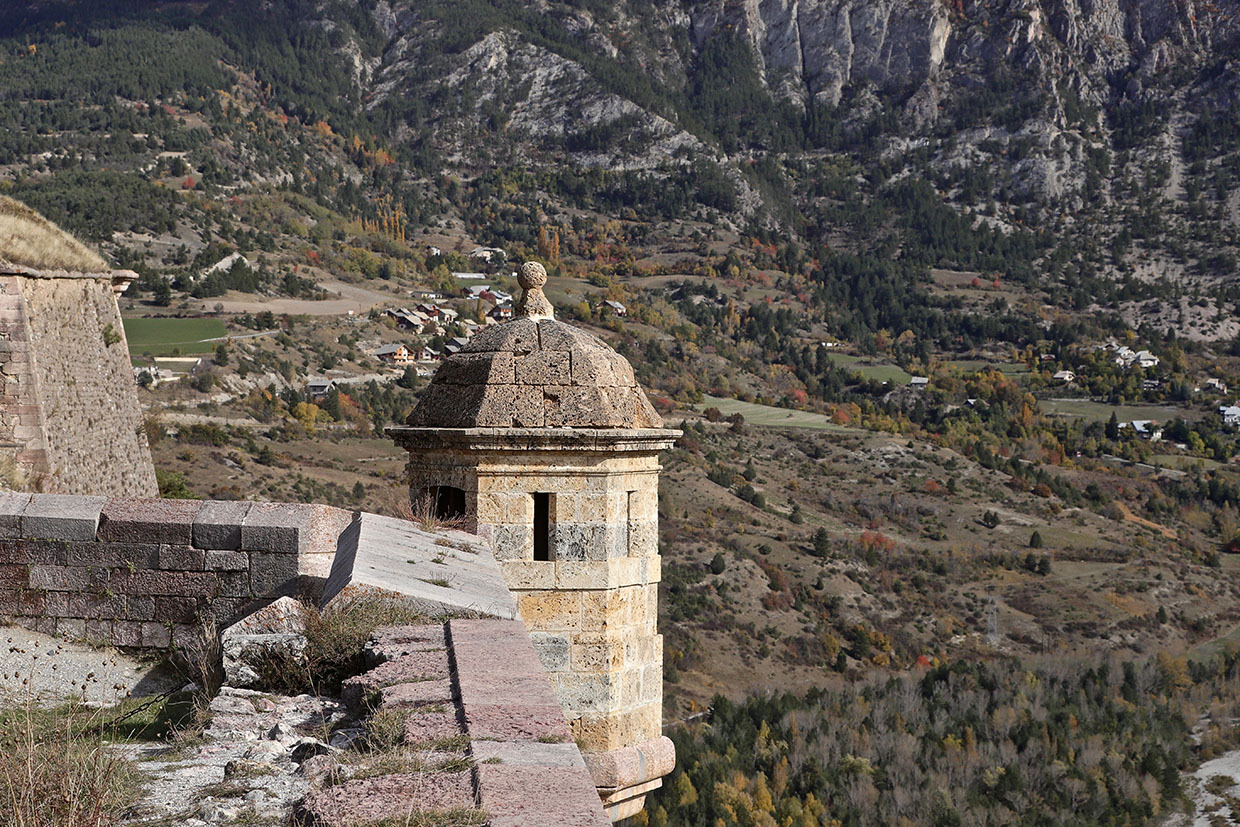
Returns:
<point x="534" y="372"/>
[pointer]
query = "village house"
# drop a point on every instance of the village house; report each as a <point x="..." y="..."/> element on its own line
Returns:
<point x="318" y="388"/>
<point x="1126" y="357"/>
<point x="1065" y="376"/>
<point x="487" y="254"/>
<point x="454" y="345"/>
<point x="394" y="354"/>
<point x="226" y="264"/>
<point x="614" y="307"/>
<point x="425" y="294"/>
<point x="1146" y="429"/>
<point x="1230" y="414"/>
<point x="157" y="376"/>
<point x="1216" y="385"/>
<point x="919" y="383"/>
<point x="407" y="319"/>
<point x="501" y="312"/>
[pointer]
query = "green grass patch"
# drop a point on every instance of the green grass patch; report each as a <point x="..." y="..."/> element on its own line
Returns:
<point x="871" y="369"/>
<point x="756" y="414"/>
<point x="1181" y="462"/>
<point x="1223" y="643"/>
<point x="974" y="365"/>
<point x="162" y="337"/>
<point x="1100" y="411"/>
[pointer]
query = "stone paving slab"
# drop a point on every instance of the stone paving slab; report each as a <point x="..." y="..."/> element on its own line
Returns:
<point x="391" y="642"/>
<point x="495" y="687"/>
<point x="539" y="795"/>
<point x="412" y="668"/>
<point x="425" y="726"/>
<point x="516" y="722"/>
<point x="386" y="797"/>
<point x="416" y="694"/>
<point x="531" y="754"/>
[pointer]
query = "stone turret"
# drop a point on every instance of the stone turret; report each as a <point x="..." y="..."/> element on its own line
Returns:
<point x="538" y="436"/>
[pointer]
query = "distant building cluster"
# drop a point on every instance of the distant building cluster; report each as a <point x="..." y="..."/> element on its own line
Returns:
<point x="1127" y="358"/>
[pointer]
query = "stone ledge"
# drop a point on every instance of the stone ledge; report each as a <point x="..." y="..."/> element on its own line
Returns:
<point x="632" y="766"/>
<point x="11" y="508"/>
<point x="446" y="572"/>
<point x="581" y="575"/>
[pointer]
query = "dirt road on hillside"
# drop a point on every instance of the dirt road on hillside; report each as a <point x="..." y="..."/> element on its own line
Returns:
<point x="351" y="297"/>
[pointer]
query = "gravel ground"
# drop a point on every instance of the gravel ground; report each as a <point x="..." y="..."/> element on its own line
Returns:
<point x="1209" y="808"/>
<point x="49" y="671"/>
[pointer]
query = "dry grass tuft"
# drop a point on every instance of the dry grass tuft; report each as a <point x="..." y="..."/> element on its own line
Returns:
<point x="335" y="642"/>
<point x="421" y="510"/>
<point x="28" y="239"/>
<point x="54" y="771"/>
<point x="458" y="817"/>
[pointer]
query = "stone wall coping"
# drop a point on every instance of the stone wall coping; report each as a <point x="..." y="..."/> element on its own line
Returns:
<point x="528" y="769"/>
<point x="441" y="571"/>
<point x="584" y="440"/>
<point x="288" y="528"/>
<point x="7" y="268"/>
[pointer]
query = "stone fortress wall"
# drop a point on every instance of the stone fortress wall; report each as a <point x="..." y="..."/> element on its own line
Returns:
<point x="63" y="359"/>
<point x="147" y="573"/>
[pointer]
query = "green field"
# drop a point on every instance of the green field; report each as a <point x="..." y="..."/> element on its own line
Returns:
<point x="1100" y="411"/>
<point x="160" y="337"/>
<point x="1006" y="368"/>
<point x="770" y="415"/>
<point x="870" y="369"/>
<point x="1182" y="462"/>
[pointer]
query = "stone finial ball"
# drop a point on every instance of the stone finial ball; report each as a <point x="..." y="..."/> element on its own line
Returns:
<point x="532" y="275"/>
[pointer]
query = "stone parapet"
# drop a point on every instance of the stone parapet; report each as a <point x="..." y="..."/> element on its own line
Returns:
<point x="145" y="574"/>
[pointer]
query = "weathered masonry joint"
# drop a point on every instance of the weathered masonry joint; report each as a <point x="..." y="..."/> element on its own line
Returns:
<point x="539" y="436"/>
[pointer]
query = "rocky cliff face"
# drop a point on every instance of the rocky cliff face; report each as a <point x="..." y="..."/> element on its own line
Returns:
<point x="921" y="58"/>
<point x="814" y="49"/>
